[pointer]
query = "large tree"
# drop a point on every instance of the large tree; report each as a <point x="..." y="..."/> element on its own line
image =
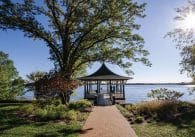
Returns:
<point x="80" y="32"/>
<point x="184" y="37"/>
<point x="11" y="84"/>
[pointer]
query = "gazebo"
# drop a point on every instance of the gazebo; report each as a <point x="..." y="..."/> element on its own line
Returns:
<point x="104" y="87"/>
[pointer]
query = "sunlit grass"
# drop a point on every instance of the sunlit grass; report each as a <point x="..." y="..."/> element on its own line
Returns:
<point x="12" y="125"/>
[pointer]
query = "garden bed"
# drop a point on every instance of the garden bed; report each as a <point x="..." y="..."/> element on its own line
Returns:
<point x="30" y="120"/>
<point x="161" y="118"/>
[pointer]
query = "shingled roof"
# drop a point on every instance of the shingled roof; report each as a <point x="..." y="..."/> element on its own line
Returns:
<point x="103" y="73"/>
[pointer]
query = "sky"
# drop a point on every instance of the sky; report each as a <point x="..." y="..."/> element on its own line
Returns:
<point x="29" y="55"/>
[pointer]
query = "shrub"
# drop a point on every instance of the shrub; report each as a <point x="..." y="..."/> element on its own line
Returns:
<point x="56" y="102"/>
<point x="131" y="107"/>
<point x="82" y="116"/>
<point x="160" y="109"/>
<point x="148" y="108"/>
<point x="165" y="94"/>
<point x="43" y="103"/>
<point x="56" y="110"/>
<point x="50" y="107"/>
<point x="41" y="113"/>
<point x="124" y="111"/>
<point x="70" y="115"/>
<point x="61" y="108"/>
<point x="27" y="108"/>
<point x="52" y="115"/>
<point x="80" y="105"/>
<point x="139" y="119"/>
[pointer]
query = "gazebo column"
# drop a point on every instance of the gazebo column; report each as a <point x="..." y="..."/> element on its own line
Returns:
<point x="110" y="88"/>
<point x="88" y="87"/>
<point x="97" y="86"/>
<point x="85" y="89"/>
<point x="120" y="87"/>
<point x="123" y="89"/>
<point x="107" y="84"/>
<point x="116" y="87"/>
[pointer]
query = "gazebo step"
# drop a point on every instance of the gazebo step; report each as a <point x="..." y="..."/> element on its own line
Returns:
<point x="103" y="100"/>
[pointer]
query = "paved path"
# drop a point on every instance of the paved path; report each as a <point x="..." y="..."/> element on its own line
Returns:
<point x="107" y="121"/>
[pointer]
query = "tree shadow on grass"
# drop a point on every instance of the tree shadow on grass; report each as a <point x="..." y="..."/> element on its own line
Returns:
<point x="64" y="132"/>
<point x="9" y="118"/>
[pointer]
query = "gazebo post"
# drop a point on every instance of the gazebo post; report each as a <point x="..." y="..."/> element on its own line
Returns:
<point x="85" y="89"/>
<point x="107" y="86"/>
<point x="120" y="87"/>
<point x="88" y="87"/>
<point x="123" y="89"/>
<point x="97" y="86"/>
<point x="110" y="89"/>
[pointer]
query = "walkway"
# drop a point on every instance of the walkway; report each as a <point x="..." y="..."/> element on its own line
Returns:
<point x="107" y="122"/>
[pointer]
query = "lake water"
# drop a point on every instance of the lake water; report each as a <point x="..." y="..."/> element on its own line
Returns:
<point x="136" y="93"/>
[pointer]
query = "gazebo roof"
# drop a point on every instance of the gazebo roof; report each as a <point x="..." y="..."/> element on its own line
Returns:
<point x="103" y="73"/>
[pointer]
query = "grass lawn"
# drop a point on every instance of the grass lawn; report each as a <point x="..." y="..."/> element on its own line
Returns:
<point x="164" y="130"/>
<point x="12" y="125"/>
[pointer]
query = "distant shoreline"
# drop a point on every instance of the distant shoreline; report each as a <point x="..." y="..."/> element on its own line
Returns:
<point x="160" y="84"/>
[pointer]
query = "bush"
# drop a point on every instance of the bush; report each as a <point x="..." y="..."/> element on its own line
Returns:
<point x="132" y="108"/>
<point x="158" y="109"/>
<point x="82" y="116"/>
<point x="149" y="108"/>
<point x="43" y="110"/>
<point x="48" y="102"/>
<point x="139" y="119"/>
<point x="165" y="94"/>
<point x="124" y="111"/>
<point x="41" y="113"/>
<point x="80" y="105"/>
<point x="70" y="115"/>
<point x="52" y="115"/>
<point x="27" y="108"/>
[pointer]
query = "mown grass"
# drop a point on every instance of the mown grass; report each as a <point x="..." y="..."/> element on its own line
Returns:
<point x="161" y="119"/>
<point x="12" y="124"/>
<point x="164" y="130"/>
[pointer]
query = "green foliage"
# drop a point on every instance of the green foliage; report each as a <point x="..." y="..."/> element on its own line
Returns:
<point x="80" y="105"/>
<point x="164" y="130"/>
<point x="56" y="110"/>
<point x="14" y="125"/>
<point x="70" y="115"/>
<point x="40" y="113"/>
<point x="11" y="85"/>
<point x="29" y="108"/>
<point x="124" y="111"/>
<point x="158" y="111"/>
<point x="32" y="78"/>
<point x="79" y="33"/>
<point x="139" y="119"/>
<point x="82" y="116"/>
<point x="165" y="94"/>
<point x="184" y="38"/>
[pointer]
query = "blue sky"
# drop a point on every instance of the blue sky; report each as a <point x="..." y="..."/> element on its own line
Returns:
<point x="29" y="55"/>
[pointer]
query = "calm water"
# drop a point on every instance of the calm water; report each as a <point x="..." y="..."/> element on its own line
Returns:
<point x="136" y="93"/>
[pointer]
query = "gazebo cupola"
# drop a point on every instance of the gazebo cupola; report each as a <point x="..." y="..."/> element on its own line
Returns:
<point x="104" y="87"/>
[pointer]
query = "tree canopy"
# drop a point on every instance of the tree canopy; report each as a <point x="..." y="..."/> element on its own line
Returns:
<point x="185" y="38"/>
<point x="11" y="84"/>
<point x="80" y="32"/>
